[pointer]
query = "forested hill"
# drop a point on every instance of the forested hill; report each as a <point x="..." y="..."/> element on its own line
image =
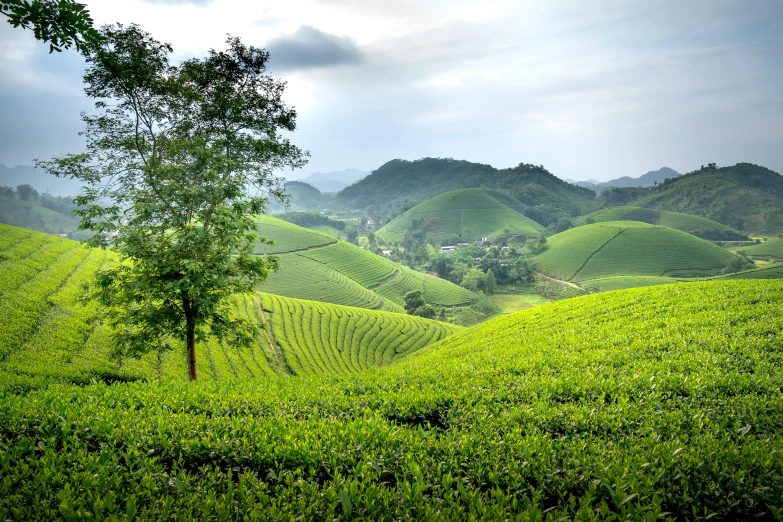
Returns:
<point x="534" y="186"/>
<point x="745" y="196"/>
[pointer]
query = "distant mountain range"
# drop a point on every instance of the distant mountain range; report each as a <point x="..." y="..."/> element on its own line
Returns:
<point x="645" y="180"/>
<point x="39" y="180"/>
<point x="334" y="181"/>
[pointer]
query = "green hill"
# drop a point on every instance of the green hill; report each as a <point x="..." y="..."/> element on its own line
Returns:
<point x="645" y="404"/>
<point x="47" y="332"/>
<point x="469" y="214"/>
<point x="302" y="197"/>
<point x="320" y="267"/>
<point x="772" y="248"/>
<point x="696" y="225"/>
<point x="36" y="216"/>
<point x="542" y="196"/>
<point x="629" y="248"/>
<point x="745" y="196"/>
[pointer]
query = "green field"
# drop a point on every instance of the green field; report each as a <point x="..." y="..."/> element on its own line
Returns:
<point x="47" y="331"/>
<point x="512" y="303"/>
<point x="342" y="273"/>
<point x="664" y="218"/>
<point x="467" y="213"/>
<point x="326" y="229"/>
<point x="773" y="248"/>
<point x="659" y="403"/>
<point x="630" y="248"/>
<point x="773" y="271"/>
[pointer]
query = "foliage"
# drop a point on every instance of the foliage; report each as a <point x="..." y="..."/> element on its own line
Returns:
<point x="575" y="410"/>
<point x="310" y="220"/>
<point x="413" y="301"/>
<point x="61" y="23"/>
<point x="176" y="151"/>
<point x="532" y="186"/>
<point x="746" y="197"/>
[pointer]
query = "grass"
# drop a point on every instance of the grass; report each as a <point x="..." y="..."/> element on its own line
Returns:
<point x="326" y="229"/>
<point x="468" y="213"/>
<point x="48" y="333"/>
<point x="659" y="403"/>
<point x="512" y="303"/>
<point x="676" y="220"/>
<point x="772" y="248"/>
<point x="629" y="248"/>
<point x="288" y="237"/>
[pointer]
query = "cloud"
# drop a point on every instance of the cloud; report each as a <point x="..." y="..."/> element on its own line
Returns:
<point x="198" y="3"/>
<point x="309" y="48"/>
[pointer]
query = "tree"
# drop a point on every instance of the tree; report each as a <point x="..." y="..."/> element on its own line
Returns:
<point x="490" y="285"/>
<point x="473" y="280"/>
<point x="413" y="301"/>
<point x="26" y="192"/>
<point x="186" y="155"/>
<point x="61" y="23"/>
<point x="426" y="311"/>
<point x="351" y="234"/>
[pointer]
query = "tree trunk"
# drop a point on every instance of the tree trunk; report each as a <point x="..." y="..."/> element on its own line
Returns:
<point x="191" y="343"/>
<point x="190" y="337"/>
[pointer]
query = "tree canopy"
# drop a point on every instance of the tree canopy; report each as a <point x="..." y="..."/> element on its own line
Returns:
<point x="61" y="23"/>
<point x="186" y="155"/>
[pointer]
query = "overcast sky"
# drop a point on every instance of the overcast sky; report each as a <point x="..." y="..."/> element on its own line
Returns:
<point x="590" y="89"/>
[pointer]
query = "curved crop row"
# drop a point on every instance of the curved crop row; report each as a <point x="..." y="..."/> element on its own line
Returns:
<point x="361" y="265"/>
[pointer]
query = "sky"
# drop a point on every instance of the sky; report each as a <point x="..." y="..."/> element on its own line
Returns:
<point x="591" y="89"/>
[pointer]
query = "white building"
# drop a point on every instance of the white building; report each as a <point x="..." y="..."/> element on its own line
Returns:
<point x="387" y="252"/>
<point x="447" y="249"/>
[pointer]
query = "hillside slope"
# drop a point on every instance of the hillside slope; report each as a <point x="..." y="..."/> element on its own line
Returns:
<point x="773" y="248"/>
<point x="630" y="248"/>
<point x="469" y="214"/>
<point x="544" y="197"/>
<point x="320" y="267"/>
<point x="696" y="225"/>
<point x="656" y="403"/>
<point x="745" y="196"/>
<point x="47" y="332"/>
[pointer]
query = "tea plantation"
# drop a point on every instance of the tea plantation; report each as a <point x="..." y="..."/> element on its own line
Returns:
<point x="630" y="248"/>
<point x="660" y="403"/>
<point x="771" y="249"/>
<point x="319" y="267"/>
<point x="664" y="218"/>
<point x="468" y="213"/>
<point x="48" y="333"/>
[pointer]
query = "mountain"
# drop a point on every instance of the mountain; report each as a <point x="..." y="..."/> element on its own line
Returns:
<point x="39" y="180"/>
<point x="645" y="180"/>
<point x="467" y="214"/>
<point x="303" y="196"/>
<point x="744" y="196"/>
<point x="334" y="181"/>
<point x="544" y="197"/>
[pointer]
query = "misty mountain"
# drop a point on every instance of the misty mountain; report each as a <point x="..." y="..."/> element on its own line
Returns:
<point x="334" y="181"/>
<point x="39" y="180"/>
<point x="645" y="180"/>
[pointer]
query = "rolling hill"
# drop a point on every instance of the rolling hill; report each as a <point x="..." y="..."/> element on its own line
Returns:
<point x="643" y="404"/>
<point x="334" y="181"/>
<point x="544" y="197"/>
<point x="772" y="248"/>
<point x="695" y="225"/>
<point x="744" y="196"/>
<point x="47" y="332"/>
<point x="649" y="179"/>
<point x="320" y="267"/>
<point x="629" y="248"/>
<point x="469" y="214"/>
<point x="302" y="197"/>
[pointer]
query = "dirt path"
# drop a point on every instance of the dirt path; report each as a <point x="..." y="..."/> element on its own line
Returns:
<point x="562" y="282"/>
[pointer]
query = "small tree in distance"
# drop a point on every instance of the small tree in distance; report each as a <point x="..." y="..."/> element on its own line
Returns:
<point x="186" y="155"/>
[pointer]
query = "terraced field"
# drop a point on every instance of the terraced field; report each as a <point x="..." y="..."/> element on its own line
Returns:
<point x="659" y="403"/>
<point x="664" y="218"/>
<point x="47" y="331"/>
<point x="341" y="273"/>
<point x="468" y="213"/>
<point x="630" y="248"/>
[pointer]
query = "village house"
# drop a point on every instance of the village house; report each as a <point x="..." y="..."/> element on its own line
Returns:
<point x="447" y="249"/>
<point x="387" y="252"/>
